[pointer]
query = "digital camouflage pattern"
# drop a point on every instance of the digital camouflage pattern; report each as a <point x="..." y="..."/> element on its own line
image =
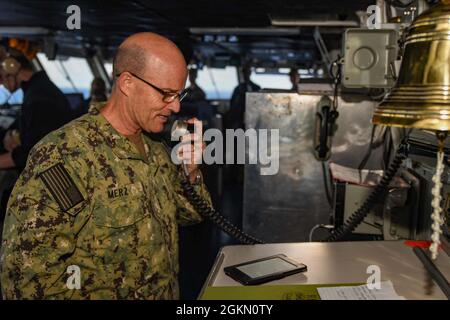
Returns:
<point x="122" y="233"/>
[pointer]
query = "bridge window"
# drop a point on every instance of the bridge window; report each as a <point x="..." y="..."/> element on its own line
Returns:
<point x="10" y="98"/>
<point x="278" y="79"/>
<point x="109" y="69"/>
<point x="217" y="83"/>
<point x="71" y="75"/>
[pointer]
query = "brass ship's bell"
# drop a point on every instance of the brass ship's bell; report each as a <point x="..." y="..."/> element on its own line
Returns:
<point x="421" y="96"/>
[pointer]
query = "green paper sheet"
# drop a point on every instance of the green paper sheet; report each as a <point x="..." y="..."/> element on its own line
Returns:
<point x="268" y="292"/>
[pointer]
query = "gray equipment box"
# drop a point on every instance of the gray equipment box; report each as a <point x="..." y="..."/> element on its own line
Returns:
<point x="369" y="58"/>
<point x="391" y="218"/>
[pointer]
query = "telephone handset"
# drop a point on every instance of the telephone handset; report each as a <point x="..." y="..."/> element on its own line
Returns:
<point x="179" y="129"/>
<point x="325" y="122"/>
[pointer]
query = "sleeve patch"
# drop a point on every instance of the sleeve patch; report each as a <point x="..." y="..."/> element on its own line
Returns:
<point x="61" y="186"/>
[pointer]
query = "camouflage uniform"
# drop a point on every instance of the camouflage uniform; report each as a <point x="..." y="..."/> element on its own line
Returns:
<point x="88" y="198"/>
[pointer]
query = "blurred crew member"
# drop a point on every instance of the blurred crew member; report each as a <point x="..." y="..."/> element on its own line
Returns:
<point x="97" y="94"/>
<point x="195" y="93"/>
<point x="234" y="119"/>
<point x="44" y="108"/>
<point x="295" y="79"/>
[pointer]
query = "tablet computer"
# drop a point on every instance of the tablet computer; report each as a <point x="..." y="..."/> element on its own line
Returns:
<point x="264" y="270"/>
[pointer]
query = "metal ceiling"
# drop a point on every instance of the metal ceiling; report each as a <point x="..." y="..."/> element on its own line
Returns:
<point x="219" y="32"/>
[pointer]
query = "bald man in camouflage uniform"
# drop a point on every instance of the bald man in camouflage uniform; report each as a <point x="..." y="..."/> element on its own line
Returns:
<point x="103" y="200"/>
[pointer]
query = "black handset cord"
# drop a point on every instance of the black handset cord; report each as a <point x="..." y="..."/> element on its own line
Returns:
<point x="205" y="210"/>
<point x="338" y="234"/>
<point x="377" y="194"/>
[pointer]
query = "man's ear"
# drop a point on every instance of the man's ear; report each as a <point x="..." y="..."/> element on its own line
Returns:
<point x="124" y="83"/>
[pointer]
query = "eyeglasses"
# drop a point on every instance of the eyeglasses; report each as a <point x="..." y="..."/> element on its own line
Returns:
<point x="168" y="96"/>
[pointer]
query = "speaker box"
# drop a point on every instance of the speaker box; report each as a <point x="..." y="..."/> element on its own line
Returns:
<point x="369" y="58"/>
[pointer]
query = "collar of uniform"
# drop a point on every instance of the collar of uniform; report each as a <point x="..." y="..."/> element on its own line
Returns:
<point x="121" y="146"/>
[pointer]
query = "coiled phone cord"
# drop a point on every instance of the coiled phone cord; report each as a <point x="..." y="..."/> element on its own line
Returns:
<point x="208" y="212"/>
<point x="380" y="191"/>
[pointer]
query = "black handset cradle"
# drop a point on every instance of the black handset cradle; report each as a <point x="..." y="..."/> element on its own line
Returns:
<point x="325" y="122"/>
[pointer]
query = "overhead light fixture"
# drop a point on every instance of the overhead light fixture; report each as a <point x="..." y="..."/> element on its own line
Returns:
<point x="292" y="22"/>
<point x="23" y="31"/>
<point x="245" y="31"/>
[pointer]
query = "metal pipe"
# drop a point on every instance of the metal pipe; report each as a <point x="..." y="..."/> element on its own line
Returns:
<point x="280" y="22"/>
<point x="245" y="31"/>
<point x="23" y="31"/>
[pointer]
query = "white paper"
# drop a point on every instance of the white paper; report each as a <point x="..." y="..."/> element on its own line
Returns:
<point x="386" y="292"/>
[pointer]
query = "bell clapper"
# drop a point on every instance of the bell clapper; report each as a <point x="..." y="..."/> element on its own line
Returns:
<point x="436" y="216"/>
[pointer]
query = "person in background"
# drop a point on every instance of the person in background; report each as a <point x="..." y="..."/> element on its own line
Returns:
<point x="195" y="104"/>
<point x="195" y="93"/>
<point x="44" y="109"/>
<point x="295" y="79"/>
<point x="234" y="119"/>
<point x="98" y="93"/>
